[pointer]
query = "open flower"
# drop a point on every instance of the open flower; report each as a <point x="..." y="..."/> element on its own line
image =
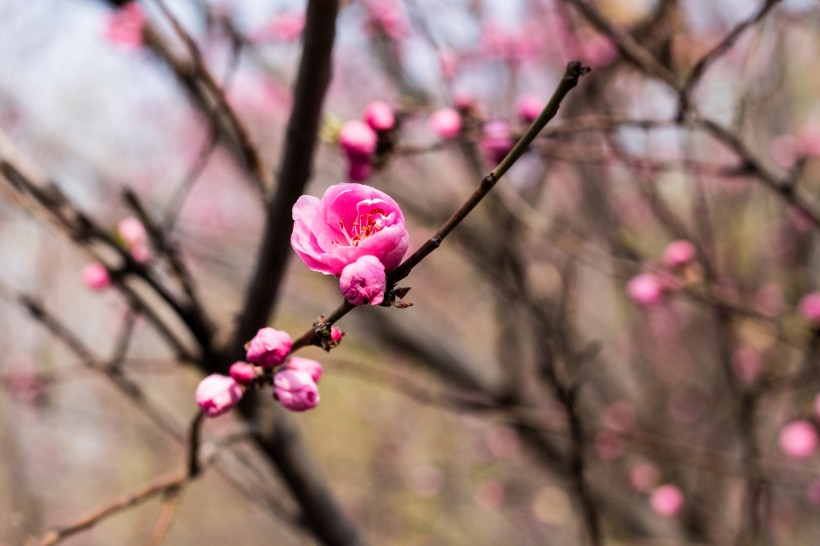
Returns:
<point x="348" y="222"/>
<point x="296" y="390"/>
<point x="216" y="394"/>
<point x="364" y="281"/>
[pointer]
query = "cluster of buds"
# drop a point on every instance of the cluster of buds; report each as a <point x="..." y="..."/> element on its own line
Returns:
<point x="677" y="265"/>
<point x="131" y="234"/>
<point x="365" y="143"/>
<point x="269" y="363"/>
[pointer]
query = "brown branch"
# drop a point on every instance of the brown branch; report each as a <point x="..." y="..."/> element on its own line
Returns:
<point x="715" y="53"/>
<point x="250" y="155"/>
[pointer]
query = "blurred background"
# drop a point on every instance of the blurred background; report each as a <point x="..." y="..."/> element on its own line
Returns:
<point x="618" y="346"/>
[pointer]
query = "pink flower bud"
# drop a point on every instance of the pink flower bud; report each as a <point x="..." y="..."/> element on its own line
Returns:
<point x="446" y="122"/>
<point x="243" y="373"/>
<point x="336" y="335"/>
<point x="95" y="276"/>
<point x="124" y="27"/>
<point x="364" y="281"/>
<point x="132" y="232"/>
<point x="643" y="477"/>
<point x="216" y="394"/>
<point x="295" y="390"/>
<point x="679" y="253"/>
<point x="269" y="347"/>
<point x="529" y="108"/>
<point x="666" y="500"/>
<point x="310" y="367"/>
<point x="359" y="169"/>
<point x="798" y="439"/>
<point x="618" y="416"/>
<point x="497" y="141"/>
<point x="645" y="289"/>
<point x="379" y="116"/>
<point x="357" y="139"/>
<point x="140" y="253"/>
<point x="810" y="308"/>
<point x="746" y="363"/>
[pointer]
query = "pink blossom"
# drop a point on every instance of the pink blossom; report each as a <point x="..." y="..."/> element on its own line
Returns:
<point x="295" y="390"/>
<point x="336" y="335"/>
<point x="446" y="122"/>
<point x="311" y="367"/>
<point x="497" y="141"/>
<point x="285" y="27"/>
<point x="598" y="50"/>
<point x="529" y="108"/>
<point x="645" y="289"/>
<point x="644" y="476"/>
<point x="216" y="394"/>
<point x="124" y="27"/>
<point x="348" y="222"/>
<point x="810" y="307"/>
<point x="141" y="253"/>
<point x="666" y="500"/>
<point x="364" y="281"/>
<point x="95" y="276"/>
<point x="243" y="373"/>
<point x="357" y="139"/>
<point x="678" y="253"/>
<point x="132" y="232"/>
<point x="379" y="116"/>
<point x="269" y="347"/>
<point x="798" y="439"/>
<point x="746" y="363"/>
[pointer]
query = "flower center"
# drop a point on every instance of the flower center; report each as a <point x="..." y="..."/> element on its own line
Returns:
<point x="366" y="225"/>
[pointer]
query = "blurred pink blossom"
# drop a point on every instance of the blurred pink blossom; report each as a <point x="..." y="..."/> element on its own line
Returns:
<point x="646" y="289"/>
<point x="285" y="27"/>
<point x="336" y="334"/>
<point x="497" y="141"/>
<point x="502" y="442"/>
<point x="348" y="222"/>
<point x="379" y="116"/>
<point x="269" y="347"/>
<point x="490" y="494"/>
<point x="529" y="107"/>
<point x="798" y="439"/>
<point x="644" y="476"/>
<point x="217" y="394"/>
<point x="746" y="363"/>
<point x="364" y="281"/>
<point x="307" y="365"/>
<point x="124" y="27"/>
<point x="445" y="122"/>
<point x="132" y="232"/>
<point x="95" y="276"/>
<point x="666" y="500"/>
<point x="679" y="253"/>
<point x="809" y="307"/>
<point x="295" y="390"/>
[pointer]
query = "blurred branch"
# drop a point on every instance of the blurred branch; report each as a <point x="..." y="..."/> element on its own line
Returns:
<point x="250" y="155"/>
